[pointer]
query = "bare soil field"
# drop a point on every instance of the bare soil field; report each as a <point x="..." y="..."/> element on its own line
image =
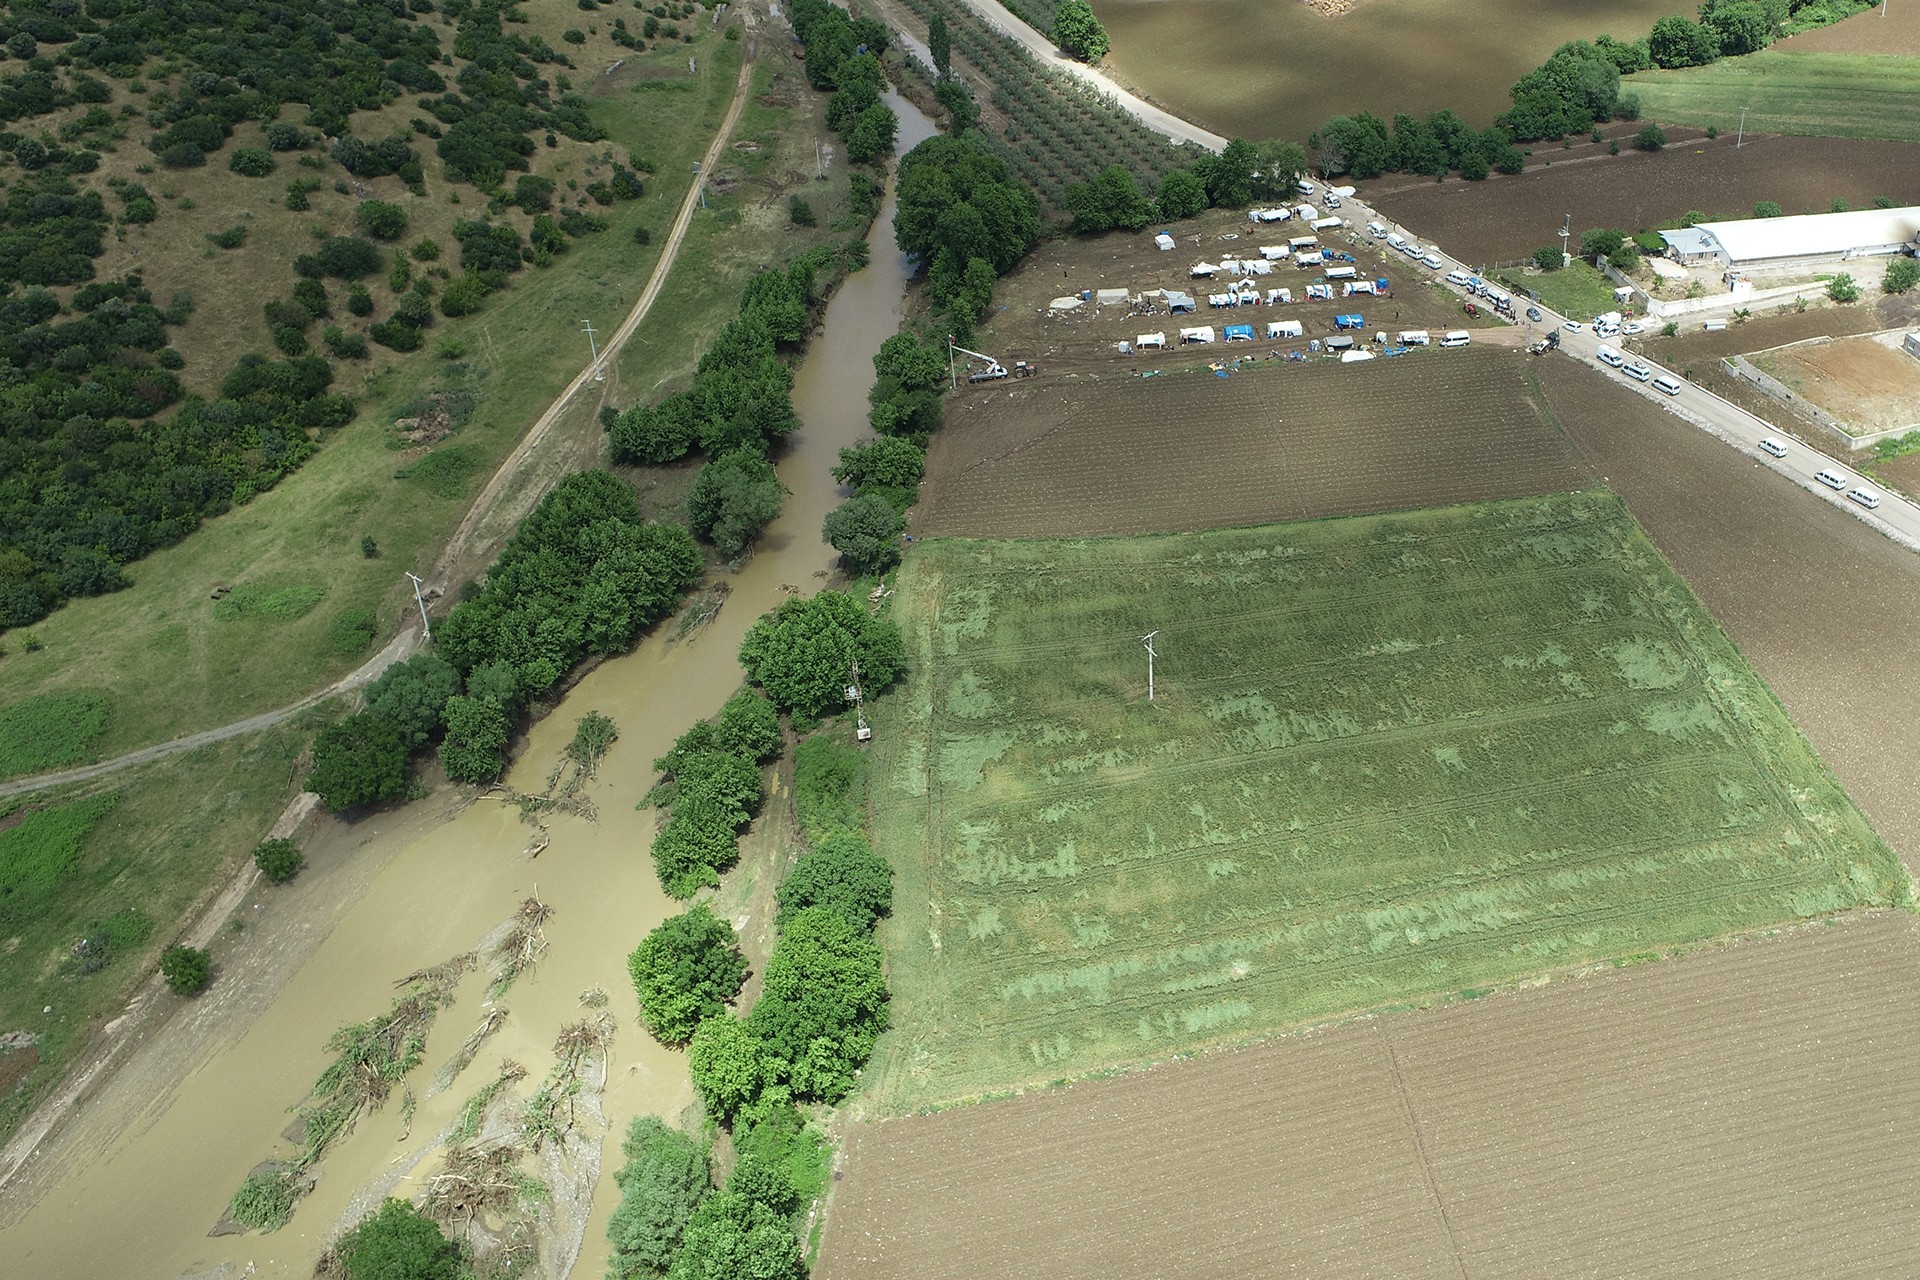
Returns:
<point x="1774" y="567"/>
<point x="1865" y="382"/>
<point x="1507" y="218"/>
<point x="1749" y="1109"/>
<point x="1897" y="34"/>
<point x="1082" y="341"/>
<point x="1057" y="457"/>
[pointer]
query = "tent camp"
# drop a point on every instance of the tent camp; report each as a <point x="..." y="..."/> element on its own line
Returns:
<point x="1202" y="334"/>
<point x="1285" y="329"/>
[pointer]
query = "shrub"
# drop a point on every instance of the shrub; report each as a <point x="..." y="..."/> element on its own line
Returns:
<point x="728" y="1064"/>
<point x="663" y="1181"/>
<point x="345" y="345"/>
<point x="1650" y="138"/>
<point x="687" y="970"/>
<point x="381" y="219"/>
<point x="398" y="1242"/>
<point x="842" y="874"/>
<point x="396" y="334"/>
<point x="1843" y="289"/>
<point x="426" y="250"/>
<point x="829" y="787"/>
<point x="1902" y="275"/>
<point x="1548" y="258"/>
<point x="251" y="162"/>
<point x="279" y="860"/>
<point x="187" y="970"/>
<point x="799" y="212"/>
<point x="231" y="238"/>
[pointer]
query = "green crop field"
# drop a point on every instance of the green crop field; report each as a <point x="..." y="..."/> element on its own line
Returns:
<point x="1845" y="95"/>
<point x="1389" y="758"/>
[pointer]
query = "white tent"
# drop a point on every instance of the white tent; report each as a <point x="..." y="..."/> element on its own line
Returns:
<point x="1146" y="340"/>
<point x="1202" y="334"/>
<point x="1163" y="242"/>
<point x="1350" y="357"/>
<point x="1285" y="329"/>
<point x="1111" y="297"/>
<point x="1271" y="252"/>
<point x="1065" y="304"/>
<point x="1200" y="269"/>
<point x="1279" y="295"/>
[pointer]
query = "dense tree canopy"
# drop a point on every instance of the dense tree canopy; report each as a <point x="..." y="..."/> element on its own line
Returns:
<point x="956" y="203"/>
<point x="802" y="653"/>
<point x="865" y="530"/>
<point x="823" y="1005"/>
<point x="398" y="1242"/>
<point x="663" y="1181"/>
<point x="583" y="573"/>
<point x="728" y="1065"/>
<point x="1111" y="199"/>
<point x="843" y="874"/>
<point x="731" y="1237"/>
<point x="359" y="761"/>
<point x="1078" y="32"/>
<point x="410" y="696"/>
<point x="688" y="969"/>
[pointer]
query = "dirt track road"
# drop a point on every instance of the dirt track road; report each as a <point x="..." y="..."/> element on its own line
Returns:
<point x="403" y="645"/>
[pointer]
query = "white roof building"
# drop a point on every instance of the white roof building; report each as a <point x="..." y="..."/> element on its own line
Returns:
<point x="1767" y="241"/>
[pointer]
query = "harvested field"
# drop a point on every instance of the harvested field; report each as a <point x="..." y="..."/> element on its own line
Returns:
<point x="1896" y="34"/>
<point x="1389" y="757"/>
<point x="1772" y="565"/>
<point x="1867" y="383"/>
<point x="1507" y="218"/>
<point x="1747" y="1110"/>
<point x="1053" y="457"/>
<point x="1082" y="341"/>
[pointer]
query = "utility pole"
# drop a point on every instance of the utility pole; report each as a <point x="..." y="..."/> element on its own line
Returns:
<point x="426" y="628"/>
<point x="1566" y="229"/>
<point x="1741" y="136"/>
<point x="953" y="379"/>
<point x="598" y="375"/>
<point x="700" y="184"/>
<point x="862" y="731"/>
<point x="1147" y="640"/>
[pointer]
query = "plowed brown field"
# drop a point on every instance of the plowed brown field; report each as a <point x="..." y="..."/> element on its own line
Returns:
<point x="1504" y="218"/>
<point x="1054" y="458"/>
<point x="1749" y="1110"/>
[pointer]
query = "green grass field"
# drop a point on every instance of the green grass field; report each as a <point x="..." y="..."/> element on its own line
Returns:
<point x="1841" y="95"/>
<point x="1576" y="291"/>
<point x="1390" y="758"/>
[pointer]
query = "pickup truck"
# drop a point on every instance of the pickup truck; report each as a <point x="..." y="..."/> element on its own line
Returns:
<point x="1546" y="344"/>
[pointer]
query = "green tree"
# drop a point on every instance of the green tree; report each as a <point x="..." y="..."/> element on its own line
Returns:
<point x="187" y="970"/>
<point x="1843" y="289"/>
<point x="871" y="135"/>
<point x="940" y="45"/>
<point x="1231" y="175"/>
<point x="1598" y="242"/>
<point x="411" y="696"/>
<point x="279" y="860"/>
<point x="1078" y="32"/>
<point x="688" y="969"/>
<point x="1680" y="42"/>
<point x="749" y="727"/>
<point x="822" y="1005"/>
<point x="398" y="1242"/>
<point x="728" y="1065"/>
<point x="1902" y="275"/>
<point x="865" y="530"/>
<point x="1767" y="209"/>
<point x="963" y="113"/>
<point x="888" y="467"/>
<point x="1112" y="199"/>
<point x="1182" y="194"/>
<point x="663" y="1181"/>
<point x="955" y="202"/>
<point x="1278" y="165"/>
<point x="733" y="499"/>
<point x="911" y="362"/>
<point x="699" y="841"/>
<point x="474" y="749"/>
<point x="803" y="652"/>
<point x="843" y="874"/>
<point x="1650" y="138"/>
<point x="1548" y="258"/>
<point x="358" y="761"/>
<point x="733" y="1238"/>
<point x="1738" y="27"/>
<point x="381" y="220"/>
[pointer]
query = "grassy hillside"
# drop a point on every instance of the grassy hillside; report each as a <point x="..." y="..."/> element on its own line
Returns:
<point x="1388" y="758"/>
<point x="1841" y="95"/>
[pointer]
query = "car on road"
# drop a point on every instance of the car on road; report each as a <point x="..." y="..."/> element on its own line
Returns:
<point x="1637" y="371"/>
<point x="1533" y="314"/>
<point x="1574" y="326"/>
<point x="1778" y="448"/>
<point x="1864" y="496"/>
<point x="1632" y="329"/>
<point x="1830" y="478"/>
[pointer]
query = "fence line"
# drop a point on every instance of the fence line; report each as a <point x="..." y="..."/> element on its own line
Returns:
<point x="1740" y="367"/>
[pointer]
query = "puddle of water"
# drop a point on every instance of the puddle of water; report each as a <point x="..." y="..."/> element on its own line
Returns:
<point x="1277" y="69"/>
<point x="143" y="1204"/>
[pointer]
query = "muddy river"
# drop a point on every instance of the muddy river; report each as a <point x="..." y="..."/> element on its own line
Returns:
<point x="132" y="1186"/>
<point x="1279" y="69"/>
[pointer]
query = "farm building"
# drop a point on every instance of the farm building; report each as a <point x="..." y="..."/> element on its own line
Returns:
<point x="1769" y="242"/>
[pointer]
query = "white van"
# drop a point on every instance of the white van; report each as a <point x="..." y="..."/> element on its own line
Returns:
<point x="1431" y="258"/>
<point x="1304" y="187"/>
<point x="1460" y="278"/>
<point x="1414" y="338"/>
<point x="1864" y="496"/>
<point x="1830" y="478"/>
<point x="1377" y="230"/>
<point x="1608" y="356"/>
<point x="1667" y="385"/>
<point x="1638" y="372"/>
<point x="1773" y="447"/>
<point x="1455" y="338"/>
<point x="1396" y="241"/>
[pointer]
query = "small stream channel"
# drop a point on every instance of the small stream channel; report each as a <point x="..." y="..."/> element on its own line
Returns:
<point x="153" y="1168"/>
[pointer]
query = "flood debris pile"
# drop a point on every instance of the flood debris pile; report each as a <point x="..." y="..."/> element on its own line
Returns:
<point x="520" y="947"/>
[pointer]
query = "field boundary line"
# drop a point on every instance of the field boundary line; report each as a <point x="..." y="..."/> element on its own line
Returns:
<point x="1420" y="1146"/>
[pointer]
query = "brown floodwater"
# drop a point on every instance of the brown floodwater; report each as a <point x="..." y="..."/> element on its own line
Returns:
<point x="1278" y="69"/>
<point x="153" y="1162"/>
